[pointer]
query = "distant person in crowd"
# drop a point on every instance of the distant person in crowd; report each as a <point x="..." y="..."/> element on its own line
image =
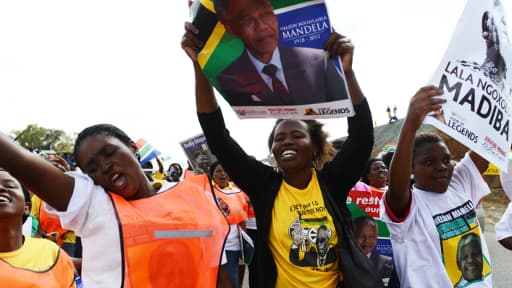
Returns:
<point x="174" y="172"/>
<point x="252" y="229"/>
<point x="469" y="260"/>
<point x="148" y="170"/>
<point x="421" y="220"/>
<point x="236" y="213"/>
<point x="31" y="224"/>
<point x="26" y="261"/>
<point x="375" y="174"/>
<point x="107" y="205"/>
<point x="49" y="224"/>
<point x="302" y="190"/>
<point x="159" y="174"/>
<point x="366" y="233"/>
<point x="268" y="73"/>
<point x="392" y="118"/>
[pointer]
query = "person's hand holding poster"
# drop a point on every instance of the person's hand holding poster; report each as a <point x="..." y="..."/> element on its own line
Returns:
<point x="267" y="59"/>
<point x="475" y="77"/>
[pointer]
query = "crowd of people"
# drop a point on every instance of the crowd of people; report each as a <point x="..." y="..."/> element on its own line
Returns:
<point x="112" y="222"/>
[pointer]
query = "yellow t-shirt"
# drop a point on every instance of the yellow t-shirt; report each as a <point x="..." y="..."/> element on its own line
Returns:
<point x="35" y="254"/>
<point x="303" y="239"/>
<point x="158" y="176"/>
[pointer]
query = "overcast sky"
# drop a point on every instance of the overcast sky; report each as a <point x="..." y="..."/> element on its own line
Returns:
<point x="70" y="64"/>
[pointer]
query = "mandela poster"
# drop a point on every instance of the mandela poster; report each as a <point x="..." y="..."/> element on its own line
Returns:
<point x="475" y="75"/>
<point x="267" y="59"/>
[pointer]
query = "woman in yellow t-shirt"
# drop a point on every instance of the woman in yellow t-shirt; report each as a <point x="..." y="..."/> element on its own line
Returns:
<point x="304" y="232"/>
<point x="25" y="261"/>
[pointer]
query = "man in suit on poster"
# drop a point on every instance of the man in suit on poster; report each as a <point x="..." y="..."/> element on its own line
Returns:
<point x="267" y="73"/>
<point x="366" y="231"/>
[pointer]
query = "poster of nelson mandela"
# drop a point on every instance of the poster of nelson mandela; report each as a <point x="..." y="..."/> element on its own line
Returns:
<point x="475" y="77"/>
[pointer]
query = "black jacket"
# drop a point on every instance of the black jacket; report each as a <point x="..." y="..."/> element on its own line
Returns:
<point x="262" y="182"/>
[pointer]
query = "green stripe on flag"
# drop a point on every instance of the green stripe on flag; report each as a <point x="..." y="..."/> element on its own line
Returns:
<point x="283" y="3"/>
<point x="314" y="221"/>
<point x="145" y="150"/>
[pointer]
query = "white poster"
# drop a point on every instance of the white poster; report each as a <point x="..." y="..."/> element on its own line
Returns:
<point x="475" y="75"/>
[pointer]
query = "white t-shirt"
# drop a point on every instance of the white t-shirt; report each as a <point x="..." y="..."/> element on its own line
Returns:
<point x="91" y="215"/>
<point x="504" y="226"/>
<point x="425" y="244"/>
<point x="506" y="180"/>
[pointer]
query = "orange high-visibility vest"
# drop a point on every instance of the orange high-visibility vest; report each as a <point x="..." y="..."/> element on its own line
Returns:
<point x="61" y="274"/>
<point x="237" y="205"/>
<point x="50" y="224"/>
<point x="174" y="238"/>
<point x="188" y="174"/>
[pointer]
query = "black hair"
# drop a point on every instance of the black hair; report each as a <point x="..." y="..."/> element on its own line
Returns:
<point x="324" y="150"/>
<point x="424" y="139"/>
<point x="338" y="144"/>
<point x="26" y="195"/>
<point x="99" y="129"/>
<point x="212" y="168"/>
<point x="367" y="169"/>
<point x="387" y="157"/>
<point x="176" y="166"/>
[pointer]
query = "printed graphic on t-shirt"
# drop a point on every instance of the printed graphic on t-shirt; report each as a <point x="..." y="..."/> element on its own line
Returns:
<point x="310" y="243"/>
<point x="461" y="245"/>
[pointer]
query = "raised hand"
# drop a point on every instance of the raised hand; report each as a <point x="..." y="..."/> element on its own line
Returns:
<point x="190" y="43"/>
<point x="422" y="103"/>
<point x="339" y="45"/>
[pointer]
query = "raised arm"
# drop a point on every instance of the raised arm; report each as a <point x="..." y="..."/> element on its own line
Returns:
<point x="205" y="98"/>
<point x="358" y="146"/>
<point x="399" y="193"/>
<point x="38" y="175"/>
<point x="341" y="46"/>
<point x="479" y="161"/>
<point x="160" y="165"/>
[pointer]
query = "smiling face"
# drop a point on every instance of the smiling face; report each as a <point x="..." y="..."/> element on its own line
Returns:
<point x="366" y="236"/>
<point x="292" y="146"/>
<point x="254" y="22"/>
<point x="432" y="167"/>
<point x="470" y="261"/>
<point x="378" y="175"/>
<point x="113" y="165"/>
<point x="12" y="201"/>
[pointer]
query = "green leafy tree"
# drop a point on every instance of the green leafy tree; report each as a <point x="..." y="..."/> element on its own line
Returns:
<point x="35" y="136"/>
